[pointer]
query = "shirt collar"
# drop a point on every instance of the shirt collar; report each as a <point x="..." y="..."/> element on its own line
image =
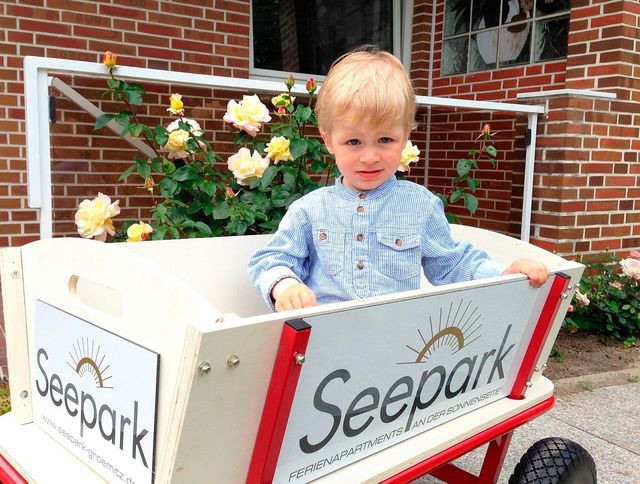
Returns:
<point x="377" y="192"/>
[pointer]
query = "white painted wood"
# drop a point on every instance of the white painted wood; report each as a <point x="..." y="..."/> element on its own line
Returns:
<point x="39" y="458"/>
<point x="15" y="332"/>
<point x="167" y="296"/>
<point x="155" y="310"/>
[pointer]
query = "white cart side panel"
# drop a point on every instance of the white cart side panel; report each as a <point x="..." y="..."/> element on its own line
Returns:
<point x="393" y="460"/>
<point x="225" y="405"/>
<point x="215" y="268"/>
<point x="148" y="306"/>
<point x="16" y="332"/>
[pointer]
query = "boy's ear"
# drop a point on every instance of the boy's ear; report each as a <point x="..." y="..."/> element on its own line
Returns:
<point x="327" y="140"/>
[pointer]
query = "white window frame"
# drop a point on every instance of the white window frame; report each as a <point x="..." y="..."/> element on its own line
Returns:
<point x="402" y="29"/>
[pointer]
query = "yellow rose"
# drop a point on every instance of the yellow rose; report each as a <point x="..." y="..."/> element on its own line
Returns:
<point x="176" y="142"/>
<point x="178" y="137"/>
<point x="93" y="217"/>
<point x="409" y="154"/>
<point x="247" y="115"/>
<point x="176" y="104"/>
<point x="283" y="100"/>
<point x="139" y="232"/>
<point x="278" y="149"/>
<point x="246" y="166"/>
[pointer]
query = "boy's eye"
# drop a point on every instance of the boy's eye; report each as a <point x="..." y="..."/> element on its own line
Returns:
<point x="353" y="142"/>
<point x="385" y="140"/>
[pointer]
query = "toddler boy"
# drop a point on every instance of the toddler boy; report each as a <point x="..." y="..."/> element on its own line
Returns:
<point x="369" y="234"/>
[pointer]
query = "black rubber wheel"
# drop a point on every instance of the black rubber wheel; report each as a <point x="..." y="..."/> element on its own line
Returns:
<point x="555" y="461"/>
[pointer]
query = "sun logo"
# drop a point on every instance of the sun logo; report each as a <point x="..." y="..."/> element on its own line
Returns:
<point x="83" y="361"/>
<point x="452" y="334"/>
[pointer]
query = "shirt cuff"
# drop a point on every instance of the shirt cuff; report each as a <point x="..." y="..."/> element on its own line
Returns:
<point x="489" y="268"/>
<point x="270" y="278"/>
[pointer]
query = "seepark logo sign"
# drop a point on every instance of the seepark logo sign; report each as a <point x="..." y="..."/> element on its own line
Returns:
<point x="95" y="393"/>
<point x="378" y="375"/>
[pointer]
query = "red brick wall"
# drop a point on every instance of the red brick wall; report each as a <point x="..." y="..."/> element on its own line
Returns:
<point x="453" y="132"/>
<point x="206" y="36"/>
<point x="587" y="192"/>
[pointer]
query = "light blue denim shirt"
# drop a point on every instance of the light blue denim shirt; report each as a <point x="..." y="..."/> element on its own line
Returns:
<point x="351" y="245"/>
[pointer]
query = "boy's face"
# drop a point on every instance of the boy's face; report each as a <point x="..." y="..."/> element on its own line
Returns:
<point x="367" y="155"/>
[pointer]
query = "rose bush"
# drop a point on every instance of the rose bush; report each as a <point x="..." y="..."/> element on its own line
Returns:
<point x="608" y="299"/>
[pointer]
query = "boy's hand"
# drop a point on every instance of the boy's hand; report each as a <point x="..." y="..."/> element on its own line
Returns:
<point x="534" y="270"/>
<point x="291" y="294"/>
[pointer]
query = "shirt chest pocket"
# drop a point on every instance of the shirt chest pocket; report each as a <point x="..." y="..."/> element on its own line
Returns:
<point x="330" y="250"/>
<point x="398" y="254"/>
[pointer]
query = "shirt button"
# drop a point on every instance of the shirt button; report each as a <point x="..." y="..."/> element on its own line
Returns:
<point x="362" y="196"/>
<point x="398" y="242"/>
<point x="359" y="237"/>
<point x="323" y="236"/>
<point x="360" y="265"/>
<point x="360" y="208"/>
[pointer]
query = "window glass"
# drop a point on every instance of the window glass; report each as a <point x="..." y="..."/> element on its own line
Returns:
<point x="456" y="17"/>
<point x="502" y="33"/>
<point x="551" y="39"/>
<point x="307" y="36"/>
<point x="454" y="56"/>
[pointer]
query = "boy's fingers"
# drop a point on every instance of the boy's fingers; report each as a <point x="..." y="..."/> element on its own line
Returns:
<point x="308" y="299"/>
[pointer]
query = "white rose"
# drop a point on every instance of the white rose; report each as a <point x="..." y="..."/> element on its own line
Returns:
<point x="582" y="299"/>
<point x="247" y="115"/>
<point x="93" y="217"/>
<point x="246" y="166"/>
<point x="631" y="268"/>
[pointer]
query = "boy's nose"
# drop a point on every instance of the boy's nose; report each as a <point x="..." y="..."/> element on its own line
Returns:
<point x="369" y="156"/>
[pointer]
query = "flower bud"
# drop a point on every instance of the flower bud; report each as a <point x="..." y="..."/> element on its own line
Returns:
<point x="229" y="192"/>
<point x="290" y="82"/>
<point x="149" y="184"/>
<point x="282" y="110"/>
<point x="176" y="104"/>
<point x="486" y="131"/>
<point x="109" y="59"/>
<point x="311" y="86"/>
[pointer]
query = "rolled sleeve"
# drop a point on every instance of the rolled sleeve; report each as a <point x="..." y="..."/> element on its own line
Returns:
<point x="284" y="256"/>
<point x="445" y="260"/>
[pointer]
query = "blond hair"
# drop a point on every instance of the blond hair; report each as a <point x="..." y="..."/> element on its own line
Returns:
<point x="366" y="83"/>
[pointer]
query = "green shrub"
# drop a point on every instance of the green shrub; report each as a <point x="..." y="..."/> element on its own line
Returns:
<point x="608" y="299"/>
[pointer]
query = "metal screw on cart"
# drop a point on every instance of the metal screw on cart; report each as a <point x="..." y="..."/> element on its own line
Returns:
<point x="565" y="295"/>
<point x="569" y="287"/>
<point x="204" y="368"/>
<point x="233" y="361"/>
<point x="299" y="358"/>
<point x="15" y="274"/>
<point x="528" y="384"/>
<point x="24" y="394"/>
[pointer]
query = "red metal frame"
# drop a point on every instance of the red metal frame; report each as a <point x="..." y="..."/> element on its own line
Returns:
<point x="282" y="389"/>
<point x="8" y="475"/>
<point x="540" y="333"/>
<point x="499" y="435"/>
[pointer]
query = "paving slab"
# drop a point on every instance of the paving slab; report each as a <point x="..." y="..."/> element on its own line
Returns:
<point x="604" y="421"/>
